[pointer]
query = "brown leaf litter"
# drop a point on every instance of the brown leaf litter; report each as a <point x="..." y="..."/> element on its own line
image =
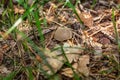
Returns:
<point x="90" y="48"/>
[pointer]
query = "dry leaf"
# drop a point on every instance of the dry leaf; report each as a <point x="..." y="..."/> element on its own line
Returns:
<point x="52" y="8"/>
<point x="50" y="18"/>
<point x="48" y="53"/>
<point x="67" y="72"/>
<point x="18" y="10"/>
<point x="82" y="65"/>
<point x="86" y="18"/>
<point x="4" y="70"/>
<point x="90" y="42"/>
<point x="72" y="49"/>
<point x="54" y="63"/>
<point x="70" y="57"/>
<point x="64" y="16"/>
<point x="50" y="12"/>
<point x="25" y="27"/>
<point x="68" y="49"/>
<point x="56" y="59"/>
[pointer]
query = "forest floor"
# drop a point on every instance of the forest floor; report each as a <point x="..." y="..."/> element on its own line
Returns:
<point x="60" y="40"/>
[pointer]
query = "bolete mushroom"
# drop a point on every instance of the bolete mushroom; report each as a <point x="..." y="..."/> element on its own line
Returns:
<point x="62" y="34"/>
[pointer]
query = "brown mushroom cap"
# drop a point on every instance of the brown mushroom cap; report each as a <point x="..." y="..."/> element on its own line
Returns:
<point x="62" y="34"/>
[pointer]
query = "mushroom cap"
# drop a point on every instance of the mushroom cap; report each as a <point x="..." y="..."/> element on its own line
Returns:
<point x="62" y="34"/>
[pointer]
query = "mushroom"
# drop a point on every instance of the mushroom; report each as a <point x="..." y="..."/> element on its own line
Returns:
<point x="62" y="34"/>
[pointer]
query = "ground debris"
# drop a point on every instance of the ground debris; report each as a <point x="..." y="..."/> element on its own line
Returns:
<point x="88" y="44"/>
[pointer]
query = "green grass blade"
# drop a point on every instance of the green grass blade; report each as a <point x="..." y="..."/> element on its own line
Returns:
<point x="30" y="74"/>
<point x="19" y="20"/>
<point x="76" y="77"/>
<point x="114" y="24"/>
<point x="37" y="49"/>
<point x="115" y="29"/>
<point x="12" y="75"/>
<point x="69" y="4"/>
<point x="93" y="3"/>
<point x="38" y="25"/>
